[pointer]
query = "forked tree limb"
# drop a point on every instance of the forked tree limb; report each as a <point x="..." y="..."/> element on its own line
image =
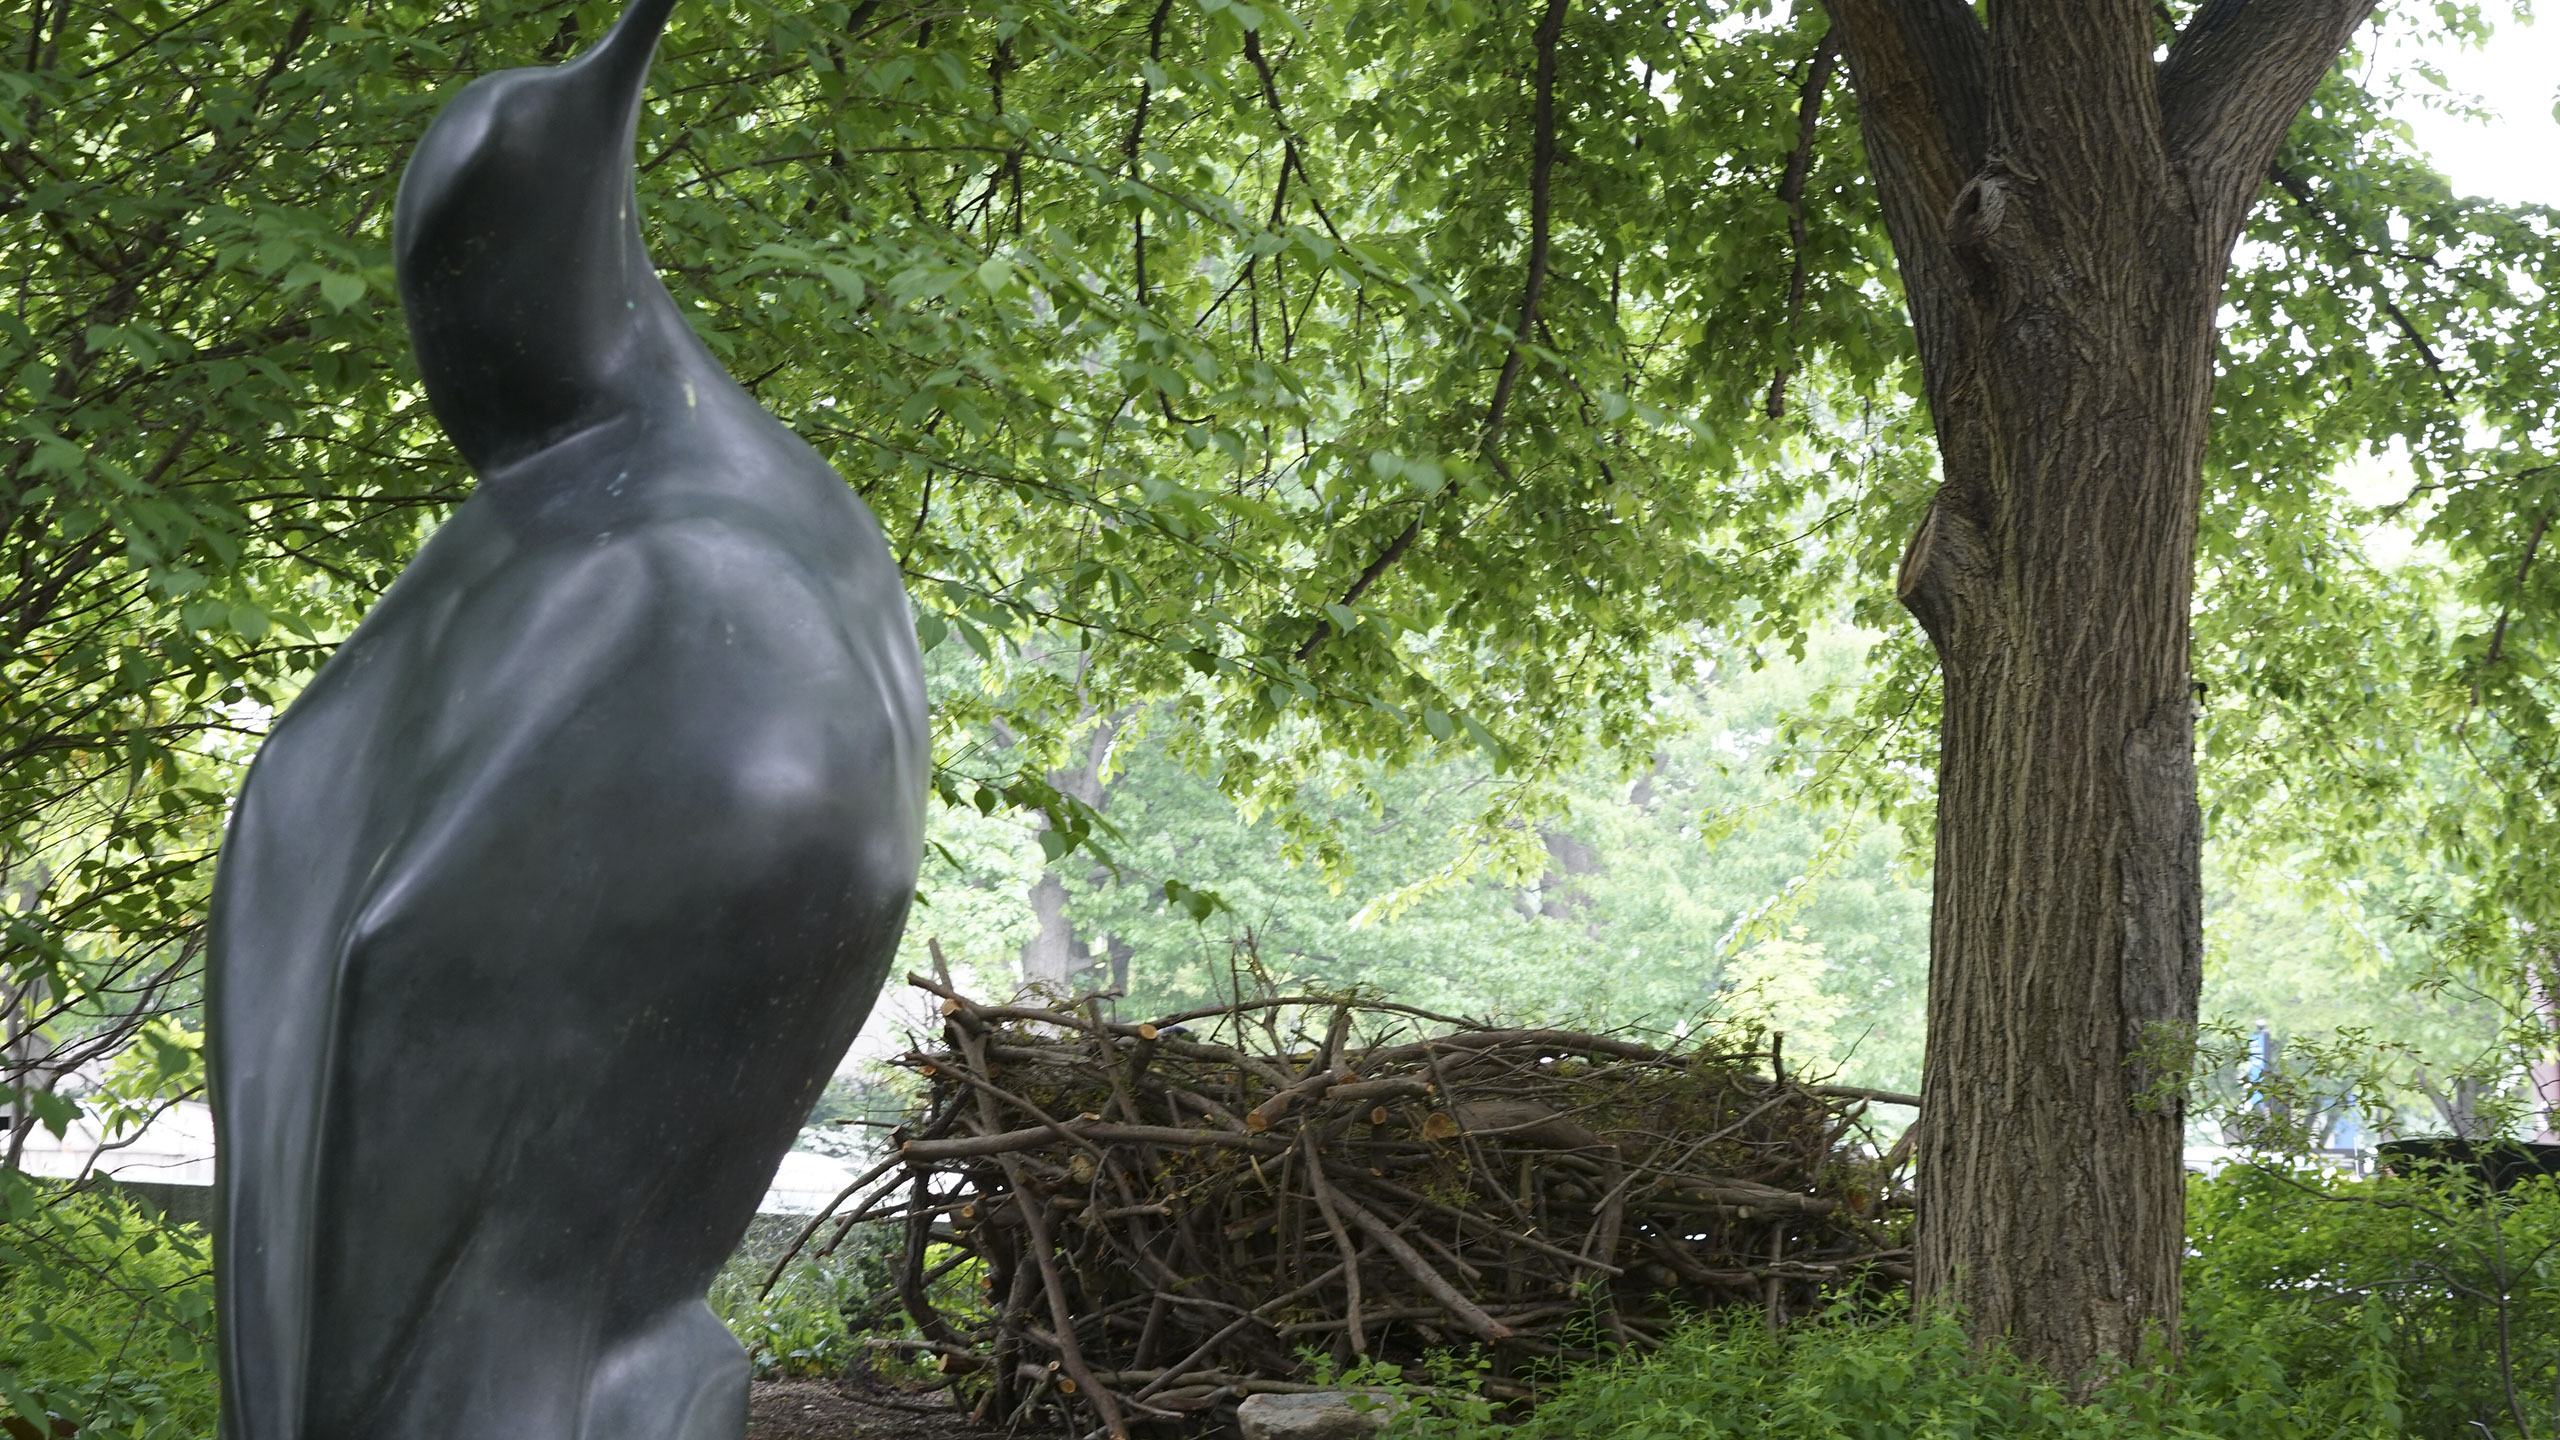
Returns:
<point x="2232" y="84"/>
<point x="1542" y="167"/>
<point x="2299" y="191"/>
<point x="1922" y="71"/>
<point x="1291" y="157"/>
<point x="1129" y="146"/>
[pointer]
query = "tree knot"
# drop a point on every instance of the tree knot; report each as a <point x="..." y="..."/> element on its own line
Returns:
<point x="1946" y="571"/>
<point x="1981" y="209"/>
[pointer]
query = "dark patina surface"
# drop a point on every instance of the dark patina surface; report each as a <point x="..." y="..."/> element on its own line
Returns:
<point x="551" y="904"/>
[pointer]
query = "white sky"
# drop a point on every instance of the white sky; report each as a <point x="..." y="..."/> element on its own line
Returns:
<point x="2516" y="156"/>
<point x="2510" y="155"/>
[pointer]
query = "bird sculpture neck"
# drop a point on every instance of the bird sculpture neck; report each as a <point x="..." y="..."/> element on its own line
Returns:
<point x="532" y="306"/>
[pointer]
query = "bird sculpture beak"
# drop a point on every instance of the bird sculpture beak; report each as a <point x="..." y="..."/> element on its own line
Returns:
<point x="621" y="58"/>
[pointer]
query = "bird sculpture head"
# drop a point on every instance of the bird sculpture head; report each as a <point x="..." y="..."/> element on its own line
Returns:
<point x="531" y="302"/>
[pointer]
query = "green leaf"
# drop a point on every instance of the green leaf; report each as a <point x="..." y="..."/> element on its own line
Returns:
<point x="54" y="1111"/>
<point x="1198" y="904"/>
<point x="57" y="456"/>
<point x="847" y="284"/>
<point x="341" y="289"/>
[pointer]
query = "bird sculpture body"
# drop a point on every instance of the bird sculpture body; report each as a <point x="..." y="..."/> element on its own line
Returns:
<point x="552" y="903"/>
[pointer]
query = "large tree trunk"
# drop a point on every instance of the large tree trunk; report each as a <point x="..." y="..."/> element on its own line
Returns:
<point x="2063" y="208"/>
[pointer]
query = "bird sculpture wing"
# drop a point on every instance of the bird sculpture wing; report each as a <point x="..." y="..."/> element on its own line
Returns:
<point x="555" y="807"/>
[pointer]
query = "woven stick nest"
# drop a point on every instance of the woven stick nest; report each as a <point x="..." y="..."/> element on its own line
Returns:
<point x="1171" y="1216"/>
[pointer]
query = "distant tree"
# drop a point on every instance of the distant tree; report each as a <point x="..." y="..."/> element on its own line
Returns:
<point x="1673" y="887"/>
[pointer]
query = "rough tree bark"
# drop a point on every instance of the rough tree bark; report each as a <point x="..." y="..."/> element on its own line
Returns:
<point x="2063" y="206"/>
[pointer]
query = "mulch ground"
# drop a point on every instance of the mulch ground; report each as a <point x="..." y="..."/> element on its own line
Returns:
<point x="849" y="1410"/>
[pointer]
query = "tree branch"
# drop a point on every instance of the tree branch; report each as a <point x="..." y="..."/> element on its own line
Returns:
<point x="1542" y="164"/>
<point x="1129" y="146"/>
<point x="1360" y="586"/>
<point x="2506" y="612"/>
<point x="1921" y="69"/>
<point x="1826" y="53"/>
<point x="1290" y="158"/>
<point x="2300" y="190"/>
<point x="2234" y="80"/>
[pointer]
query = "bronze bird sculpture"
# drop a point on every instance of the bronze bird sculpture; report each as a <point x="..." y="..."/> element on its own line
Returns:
<point x="551" y="904"/>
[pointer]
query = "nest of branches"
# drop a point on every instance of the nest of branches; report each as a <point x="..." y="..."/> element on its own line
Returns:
<point x="1167" y="1217"/>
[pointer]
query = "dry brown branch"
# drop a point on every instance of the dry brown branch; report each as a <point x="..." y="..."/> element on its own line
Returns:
<point x="1314" y="1170"/>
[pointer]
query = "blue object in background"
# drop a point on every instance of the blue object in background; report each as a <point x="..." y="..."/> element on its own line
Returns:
<point x="2253" y="1071"/>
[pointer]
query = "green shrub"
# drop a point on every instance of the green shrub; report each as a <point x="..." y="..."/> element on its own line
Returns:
<point x="1874" y="1375"/>
<point x="106" y="1316"/>
<point x="838" y="1312"/>
<point x="2317" y="1306"/>
<point x="2451" y="1290"/>
<point x="798" y="1329"/>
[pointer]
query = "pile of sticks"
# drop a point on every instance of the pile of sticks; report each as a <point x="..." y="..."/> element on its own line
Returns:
<point x="1170" y="1216"/>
